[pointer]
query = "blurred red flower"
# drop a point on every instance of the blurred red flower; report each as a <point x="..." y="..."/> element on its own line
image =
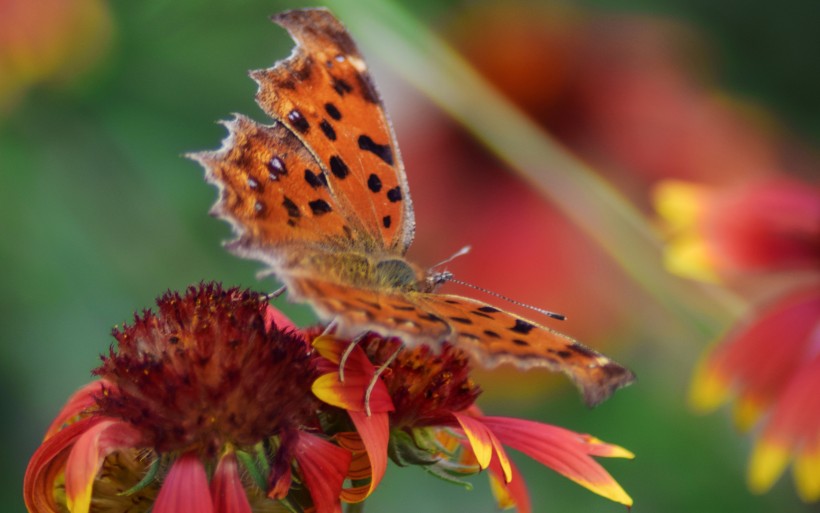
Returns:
<point x="769" y="362"/>
<point x="48" y="40"/>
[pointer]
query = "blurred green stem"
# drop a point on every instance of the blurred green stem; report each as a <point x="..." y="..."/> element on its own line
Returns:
<point x="427" y="62"/>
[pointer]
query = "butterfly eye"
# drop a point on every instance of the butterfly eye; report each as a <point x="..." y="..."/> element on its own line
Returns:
<point x="396" y="274"/>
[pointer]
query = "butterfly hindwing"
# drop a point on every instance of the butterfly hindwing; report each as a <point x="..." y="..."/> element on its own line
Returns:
<point x="357" y="310"/>
<point x="494" y="336"/>
<point x="323" y="92"/>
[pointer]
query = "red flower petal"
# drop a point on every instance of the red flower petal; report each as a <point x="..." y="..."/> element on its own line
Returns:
<point x="48" y="462"/>
<point x="80" y="401"/>
<point x="323" y="468"/>
<point x="226" y="487"/>
<point x="750" y="363"/>
<point x="185" y="489"/>
<point x="375" y="434"/>
<point x="766" y="226"/>
<point x="87" y="455"/>
<point x="358" y="374"/>
<point x="564" y="451"/>
<point x="484" y="444"/>
<point x="276" y="319"/>
<point x="793" y="430"/>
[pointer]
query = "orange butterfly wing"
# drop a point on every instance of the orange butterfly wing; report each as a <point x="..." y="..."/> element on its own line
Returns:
<point x="357" y="310"/>
<point x="490" y="335"/>
<point x="324" y="94"/>
<point x="273" y="193"/>
<point x="494" y="337"/>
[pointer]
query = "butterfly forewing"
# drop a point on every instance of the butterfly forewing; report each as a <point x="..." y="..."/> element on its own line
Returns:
<point x="494" y="336"/>
<point x="272" y="193"/>
<point x="324" y="94"/>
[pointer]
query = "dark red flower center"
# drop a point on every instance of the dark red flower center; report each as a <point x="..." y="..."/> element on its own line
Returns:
<point x="203" y="371"/>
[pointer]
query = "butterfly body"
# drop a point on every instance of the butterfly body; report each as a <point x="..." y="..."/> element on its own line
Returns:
<point x="321" y="197"/>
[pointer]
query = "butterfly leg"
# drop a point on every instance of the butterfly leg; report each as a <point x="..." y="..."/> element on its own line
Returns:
<point x="278" y="292"/>
<point x="329" y="328"/>
<point x="346" y="355"/>
<point x="375" y="378"/>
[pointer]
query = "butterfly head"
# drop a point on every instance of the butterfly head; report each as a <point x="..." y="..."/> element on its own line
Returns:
<point x="438" y="278"/>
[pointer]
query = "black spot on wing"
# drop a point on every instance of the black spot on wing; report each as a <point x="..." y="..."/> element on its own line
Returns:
<point x="332" y="111"/>
<point x="491" y="334"/>
<point x="522" y="327"/>
<point x="431" y="317"/>
<point x="386" y="221"/>
<point x="298" y="121"/>
<point x="291" y="208"/>
<point x="327" y="129"/>
<point x="488" y="309"/>
<point x="394" y="194"/>
<point x="341" y="87"/>
<point x="461" y="320"/>
<point x="338" y="167"/>
<point x="382" y="151"/>
<point x="314" y="180"/>
<point x="374" y="183"/>
<point x="319" y="207"/>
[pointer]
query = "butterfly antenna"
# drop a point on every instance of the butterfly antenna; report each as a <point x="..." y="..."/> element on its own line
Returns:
<point x="461" y="252"/>
<point x="442" y="277"/>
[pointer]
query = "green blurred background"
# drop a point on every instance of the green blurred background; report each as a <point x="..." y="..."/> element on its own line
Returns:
<point x="100" y="214"/>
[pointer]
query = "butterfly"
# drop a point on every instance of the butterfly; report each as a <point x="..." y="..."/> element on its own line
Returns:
<point x="321" y="197"/>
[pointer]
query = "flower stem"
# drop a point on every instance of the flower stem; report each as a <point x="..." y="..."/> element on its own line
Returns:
<point x="357" y="507"/>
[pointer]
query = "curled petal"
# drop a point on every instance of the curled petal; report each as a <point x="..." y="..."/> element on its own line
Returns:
<point x="484" y="444"/>
<point x="564" y="451"/>
<point x="48" y="462"/>
<point x="185" y="489"/>
<point x="323" y="468"/>
<point x="80" y="401"/>
<point x="331" y="348"/>
<point x="512" y="494"/>
<point x="280" y="483"/>
<point x="226" y="487"/>
<point x="374" y="431"/>
<point x="87" y="455"/>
